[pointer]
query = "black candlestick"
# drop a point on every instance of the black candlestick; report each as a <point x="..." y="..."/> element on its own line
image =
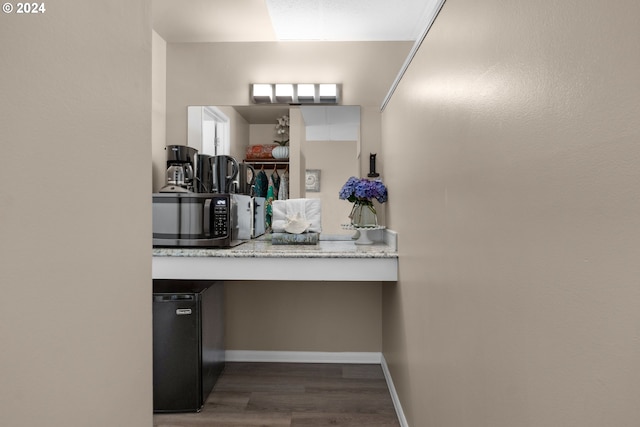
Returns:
<point x="372" y="166"/>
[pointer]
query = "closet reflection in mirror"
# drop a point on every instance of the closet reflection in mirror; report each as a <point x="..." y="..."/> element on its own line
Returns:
<point x="325" y="138"/>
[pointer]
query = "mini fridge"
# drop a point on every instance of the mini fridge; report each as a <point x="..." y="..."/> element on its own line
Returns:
<point x="188" y="343"/>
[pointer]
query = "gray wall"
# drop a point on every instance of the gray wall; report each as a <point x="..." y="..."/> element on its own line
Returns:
<point x="75" y="253"/>
<point x="511" y="152"/>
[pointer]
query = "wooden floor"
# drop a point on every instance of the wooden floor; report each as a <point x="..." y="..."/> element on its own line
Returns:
<point x="293" y="395"/>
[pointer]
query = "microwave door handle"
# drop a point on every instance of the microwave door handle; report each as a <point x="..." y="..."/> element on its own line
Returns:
<point x="207" y="218"/>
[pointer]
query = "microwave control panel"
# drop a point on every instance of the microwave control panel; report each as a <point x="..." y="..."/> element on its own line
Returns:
<point x="220" y="217"/>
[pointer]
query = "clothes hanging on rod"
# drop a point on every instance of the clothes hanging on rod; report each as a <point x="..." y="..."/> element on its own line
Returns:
<point x="269" y="202"/>
<point x="261" y="184"/>
<point x="283" y="190"/>
<point x="275" y="177"/>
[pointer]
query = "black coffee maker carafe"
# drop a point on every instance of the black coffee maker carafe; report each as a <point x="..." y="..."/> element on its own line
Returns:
<point x="180" y="162"/>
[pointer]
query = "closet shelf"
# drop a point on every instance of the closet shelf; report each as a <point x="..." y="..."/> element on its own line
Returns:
<point x="278" y="163"/>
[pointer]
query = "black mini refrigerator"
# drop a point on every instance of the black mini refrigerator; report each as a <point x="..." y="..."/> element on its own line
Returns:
<point x="188" y="343"/>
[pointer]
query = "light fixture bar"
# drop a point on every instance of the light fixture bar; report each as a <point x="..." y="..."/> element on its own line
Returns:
<point x="328" y="93"/>
<point x="284" y="93"/>
<point x="306" y="93"/>
<point x="262" y="93"/>
<point x="295" y="93"/>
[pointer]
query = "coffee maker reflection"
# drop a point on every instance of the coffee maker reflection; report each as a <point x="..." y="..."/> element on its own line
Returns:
<point x="180" y="162"/>
<point x="204" y="174"/>
<point x="244" y="183"/>
<point x="225" y="170"/>
<point x="215" y="174"/>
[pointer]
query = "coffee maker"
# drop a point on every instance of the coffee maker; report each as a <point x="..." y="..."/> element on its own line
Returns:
<point x="180" y="162"/>
<point x="225" y="171"/>
<point x="215" y="174"/>
<point x="203" y="174"/>
<point x="245" y="180"/>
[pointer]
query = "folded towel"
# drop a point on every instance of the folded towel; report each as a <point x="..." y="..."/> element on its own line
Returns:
<point x="293" y="207"/>
<point x="313" y="210"/>
<point x="277" y="225"/>
<point x="296" y="224"/>
<point x="310" y="210"/>
<point x="279" y="216"/>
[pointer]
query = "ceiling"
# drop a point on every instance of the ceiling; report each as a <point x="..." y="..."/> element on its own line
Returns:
<point x="264" y="114"/>
<point x="299" y="20"/>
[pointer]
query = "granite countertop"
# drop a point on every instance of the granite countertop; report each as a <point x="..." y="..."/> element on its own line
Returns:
<point x="334" y="258"/>
<point x="262" y="248"/>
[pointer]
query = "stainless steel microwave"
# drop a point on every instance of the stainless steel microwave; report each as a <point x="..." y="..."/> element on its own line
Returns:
<point x="203" y="220"/>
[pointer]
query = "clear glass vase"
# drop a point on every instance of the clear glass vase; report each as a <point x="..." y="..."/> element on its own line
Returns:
<point x="363" y="214"/>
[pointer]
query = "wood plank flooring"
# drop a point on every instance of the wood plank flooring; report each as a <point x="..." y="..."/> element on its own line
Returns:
<point x="293" y="395"/>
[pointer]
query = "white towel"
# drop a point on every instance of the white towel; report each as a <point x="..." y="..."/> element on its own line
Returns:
<point x="293" y="207"/>
<point x="277" y="225"/>
<point x="313" y="209"/>
<point x="278" y="219"/>
<point x="309" y="210"/>
<point x="296" y="225"/>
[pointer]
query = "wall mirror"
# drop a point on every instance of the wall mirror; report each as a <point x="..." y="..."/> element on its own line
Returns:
<point x="322" y="138"/>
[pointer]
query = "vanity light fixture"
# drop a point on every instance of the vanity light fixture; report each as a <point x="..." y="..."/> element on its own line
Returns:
<point x="262" y="94"/>
<point x="306" y="93"/>
<point x="284" y="93"/>
<point x="299" y="93"/>
<point x="328" y="93"/>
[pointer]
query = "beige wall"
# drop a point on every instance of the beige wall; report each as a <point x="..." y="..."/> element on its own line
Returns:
<point x="511" y="154"/>
<point x="159" y="106"/>
<point x="336" y="161"/>
<point x="220" y="74"/>
<point x="75" y="254"/>
<point x="262" y="134"/>
<point x="280" y="316"/>
<point x="239" y="132"/>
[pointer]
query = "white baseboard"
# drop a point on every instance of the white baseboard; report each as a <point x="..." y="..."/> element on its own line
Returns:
<point x="302" y="356"/>
<point x="394" y="395"/>
<point x="373" y="358"/>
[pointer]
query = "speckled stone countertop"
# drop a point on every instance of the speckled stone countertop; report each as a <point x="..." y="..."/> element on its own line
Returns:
<point x="264" y="249"/>
<point x="334" y="258"/>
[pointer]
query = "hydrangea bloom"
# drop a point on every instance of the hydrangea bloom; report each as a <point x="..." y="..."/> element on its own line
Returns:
<point x="363" y="190"/>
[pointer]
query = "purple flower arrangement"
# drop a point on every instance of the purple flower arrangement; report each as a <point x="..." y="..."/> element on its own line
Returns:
<point x="363" y="190"/>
